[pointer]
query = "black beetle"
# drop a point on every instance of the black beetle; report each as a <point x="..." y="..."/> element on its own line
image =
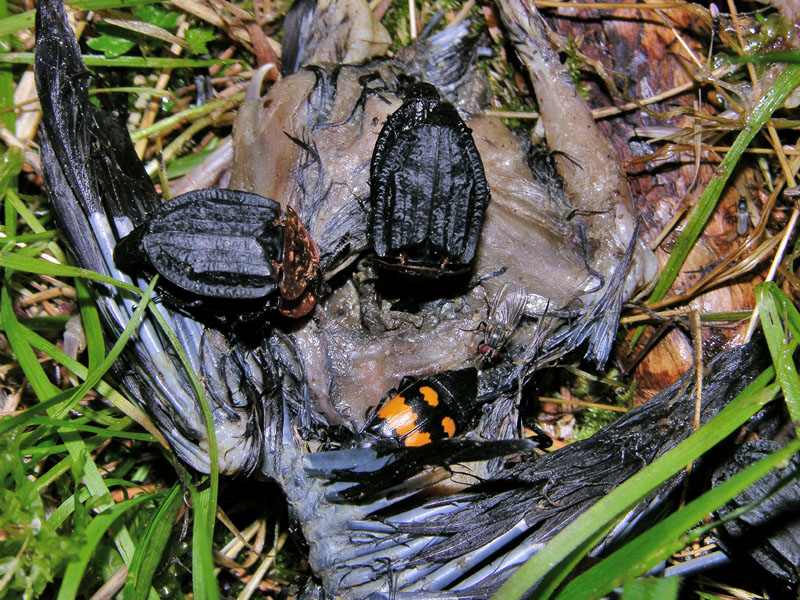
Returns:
<point x="418" y="425"/>
<point x="428" y="189"/>
<point x="222" y="244"/>
<point x="421" y="411"/>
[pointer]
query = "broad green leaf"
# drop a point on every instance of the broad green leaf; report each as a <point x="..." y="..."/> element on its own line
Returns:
<point x="197" y="38"/>
<point x="112" y="46"/>
<point x="155" y="15"/>
<point x="181" y="166"/>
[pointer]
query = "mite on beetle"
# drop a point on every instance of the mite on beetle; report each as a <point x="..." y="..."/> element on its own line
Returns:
<point x="428" y="189"/>
<point x="216" y="244"/>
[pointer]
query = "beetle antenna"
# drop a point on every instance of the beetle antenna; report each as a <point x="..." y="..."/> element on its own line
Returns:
<point x="481" y="278"/>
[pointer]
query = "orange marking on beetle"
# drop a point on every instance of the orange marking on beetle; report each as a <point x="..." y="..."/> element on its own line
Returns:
<point x="449" y="426"/>
<point x="418" y="438"/>
<point x="429" y="395"/>
<point x="399" y="415"/>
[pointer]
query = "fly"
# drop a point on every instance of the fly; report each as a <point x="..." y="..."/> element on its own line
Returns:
<point x="505" y="314"/>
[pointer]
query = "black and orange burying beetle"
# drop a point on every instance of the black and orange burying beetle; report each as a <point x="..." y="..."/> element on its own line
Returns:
<point x="421" y="411"/>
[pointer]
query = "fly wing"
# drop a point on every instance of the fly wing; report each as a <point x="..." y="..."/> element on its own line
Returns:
<point x="216" y="243"/>
<point x="508" y="305"/>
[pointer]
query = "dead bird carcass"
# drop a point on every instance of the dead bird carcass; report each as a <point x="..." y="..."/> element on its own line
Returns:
<point x="275" y="402"/>
<point x="319" y="127"/>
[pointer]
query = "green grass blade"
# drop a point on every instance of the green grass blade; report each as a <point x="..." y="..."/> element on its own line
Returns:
<point x="652" y="588"/>
<point x="147" y="558"/>
<point x="119" y="401"/>
<point x="16" y="23"/>
<point x="10" y="167"/>
<point x="670" y="535"/>
<point x="94" y="533"/>
<point x="554" y="562"/>
<point x="789" y="311"/>
<point x="188" y="114"/>
<point x="26" y="20"/>
<point x="45" y="267"/>
<point x="7" y="119"/>
<point x="94" y="376"/>
<point x="27" y="238"/>
<point x="137" y="62"/>
<point x="105" y="432"/>
<point x="43" y="323"/>
<point x="107" y="4"/>
<point x="67" y="507"/>
<point x="36" y="225"/>
<point x="30" y="219"/>
<point x="92" y="329"/>
<point x="787" y="81"/>
<point x="200" y="394"/>
<point x="204" y="580"/>
<point x="9" y="423"/>
<point x="24" y="353"/>
<point x="45" y="390"/>
<point x="790" y="56"/>
<point x="204" y="502"/>
<point x="774" y="309"/>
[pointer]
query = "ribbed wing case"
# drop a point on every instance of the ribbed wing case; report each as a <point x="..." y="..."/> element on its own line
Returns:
<point x="429" y="191"/>
<point x="213" y="242"/>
